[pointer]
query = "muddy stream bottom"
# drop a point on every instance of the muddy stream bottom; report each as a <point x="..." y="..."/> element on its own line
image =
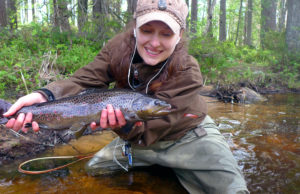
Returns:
<point x="264" y="139"/>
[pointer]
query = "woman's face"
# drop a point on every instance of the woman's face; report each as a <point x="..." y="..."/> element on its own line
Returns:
<point x="156" y="42"/>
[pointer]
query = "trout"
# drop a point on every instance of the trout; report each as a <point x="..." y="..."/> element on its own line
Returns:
<point x="77" y="112"/>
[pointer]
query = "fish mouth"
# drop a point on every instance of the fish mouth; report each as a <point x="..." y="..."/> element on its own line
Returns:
<point x="156" y="112"/>
<point x="163" y="109"/>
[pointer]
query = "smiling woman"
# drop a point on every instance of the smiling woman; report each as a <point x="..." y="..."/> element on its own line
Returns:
<point x="150" y="57"/>
<point x="156" y="42"/>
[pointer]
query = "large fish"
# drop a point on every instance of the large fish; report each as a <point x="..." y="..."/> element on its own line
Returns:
<point x="77" y="112"/>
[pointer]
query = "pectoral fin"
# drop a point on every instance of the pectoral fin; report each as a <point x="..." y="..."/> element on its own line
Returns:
<point x="78" y="129"/>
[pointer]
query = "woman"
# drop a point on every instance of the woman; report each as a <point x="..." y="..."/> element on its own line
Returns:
<point x="150" y="57"/>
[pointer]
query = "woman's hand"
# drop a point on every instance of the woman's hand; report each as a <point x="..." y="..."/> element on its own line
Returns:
<point x="110" y="118"/>
<point x="22" y="119"/>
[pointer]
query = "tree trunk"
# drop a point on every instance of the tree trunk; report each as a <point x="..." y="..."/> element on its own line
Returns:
<point x="55" y="15"/>
<point x="187" y="20"/>
<point x="131" y="6"/>
<point x="117" y="7"/>
<point x="194" y="16"/>
<point x="82" y="14"/>
<point x="25" y="3"/>
<point x="3" y="15"/>
<point x="222" y="22"/>
<point x="239" y="21"/>
<point x="282" y="15"/>
<point x="64" y="15"/>
<point x="210" y="8"/>
<point x="12" y="14"/>
<point x="268" y="18"/>
<point x="248" y="23"/>
<point x="48" y="16"/>
<point x="61" y="15"/>
<point x="100" y="8"/>
<point x="33" y="10"/>
<point x="100" y="15"/>
<point x="116" y="13"/>
<point x="293" y="27"/>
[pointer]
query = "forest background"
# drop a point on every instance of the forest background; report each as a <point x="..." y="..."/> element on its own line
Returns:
<point x="237" y="42"/>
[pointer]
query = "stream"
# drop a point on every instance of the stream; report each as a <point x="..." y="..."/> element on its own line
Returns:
<point x="264" y="138"/>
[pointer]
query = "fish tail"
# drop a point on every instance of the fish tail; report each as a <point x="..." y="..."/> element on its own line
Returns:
<point x="4" y="106"/>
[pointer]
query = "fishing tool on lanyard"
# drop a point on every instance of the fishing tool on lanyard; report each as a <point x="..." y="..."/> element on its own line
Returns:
<point x="126" y="151"/>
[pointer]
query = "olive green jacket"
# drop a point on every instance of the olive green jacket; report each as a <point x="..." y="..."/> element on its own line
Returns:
<point x="180" y="90"/>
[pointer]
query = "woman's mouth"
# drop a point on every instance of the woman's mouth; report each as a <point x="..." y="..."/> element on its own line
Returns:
<point x="152" y="52"/>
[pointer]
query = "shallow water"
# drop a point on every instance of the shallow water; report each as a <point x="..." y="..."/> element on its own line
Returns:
<point x="264" y="139"/>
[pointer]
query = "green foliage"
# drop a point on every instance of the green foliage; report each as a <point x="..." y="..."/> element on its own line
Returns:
<point x="35" y="55"/>
<point x="73" y="59"/>
<point x="224" y="62"/>
<point x="24" y="52"/>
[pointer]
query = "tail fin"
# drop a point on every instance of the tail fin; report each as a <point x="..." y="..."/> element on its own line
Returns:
<point x="4" y="106"/>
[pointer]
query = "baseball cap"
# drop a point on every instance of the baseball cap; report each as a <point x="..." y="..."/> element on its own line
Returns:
<point x="171" y="12"/>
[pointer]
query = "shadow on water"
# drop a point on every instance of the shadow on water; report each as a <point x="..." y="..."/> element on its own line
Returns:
<point x="264" y="139"/>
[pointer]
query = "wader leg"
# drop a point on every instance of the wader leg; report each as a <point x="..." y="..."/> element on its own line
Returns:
<point x="217" y="171"/>
<point x="201" y="159"/>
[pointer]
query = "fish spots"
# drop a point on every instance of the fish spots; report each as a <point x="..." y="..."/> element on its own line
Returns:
<point x="87" y="108"/>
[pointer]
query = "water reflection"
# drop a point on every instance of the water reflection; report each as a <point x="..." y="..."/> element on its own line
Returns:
<point x="264" y="139"/>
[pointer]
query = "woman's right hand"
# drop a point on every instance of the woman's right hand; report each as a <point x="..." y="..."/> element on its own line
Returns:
<point x="110" y="118"/>
<point x="22" y="119"/>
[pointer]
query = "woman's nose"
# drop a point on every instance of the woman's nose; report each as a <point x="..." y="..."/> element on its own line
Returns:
<point x="155" y="42"/>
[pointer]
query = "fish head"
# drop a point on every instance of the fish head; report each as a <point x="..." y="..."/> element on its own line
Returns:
<point x="147" y="108"/>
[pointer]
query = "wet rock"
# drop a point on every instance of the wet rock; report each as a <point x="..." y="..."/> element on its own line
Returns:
<point x="232" y="94"/>
<point x="208" y="91"/>
<point x="249" y="96"/>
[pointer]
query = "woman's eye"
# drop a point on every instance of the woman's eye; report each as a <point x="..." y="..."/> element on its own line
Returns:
<point x="146" y="31"/>
<point x="167" y="34"/>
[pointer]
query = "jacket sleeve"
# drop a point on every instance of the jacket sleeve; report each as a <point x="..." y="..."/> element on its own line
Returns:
<point x="182" y="92"/>
<point x="94" y="75"/>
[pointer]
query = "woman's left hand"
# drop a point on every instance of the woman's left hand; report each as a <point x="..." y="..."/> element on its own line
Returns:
<point x="110" y="118"/>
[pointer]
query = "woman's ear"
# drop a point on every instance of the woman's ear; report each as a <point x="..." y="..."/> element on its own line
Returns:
<point x="180" y="35"/>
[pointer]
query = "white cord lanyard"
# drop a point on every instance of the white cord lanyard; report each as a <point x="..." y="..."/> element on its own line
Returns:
<point x="147" y="86"/>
